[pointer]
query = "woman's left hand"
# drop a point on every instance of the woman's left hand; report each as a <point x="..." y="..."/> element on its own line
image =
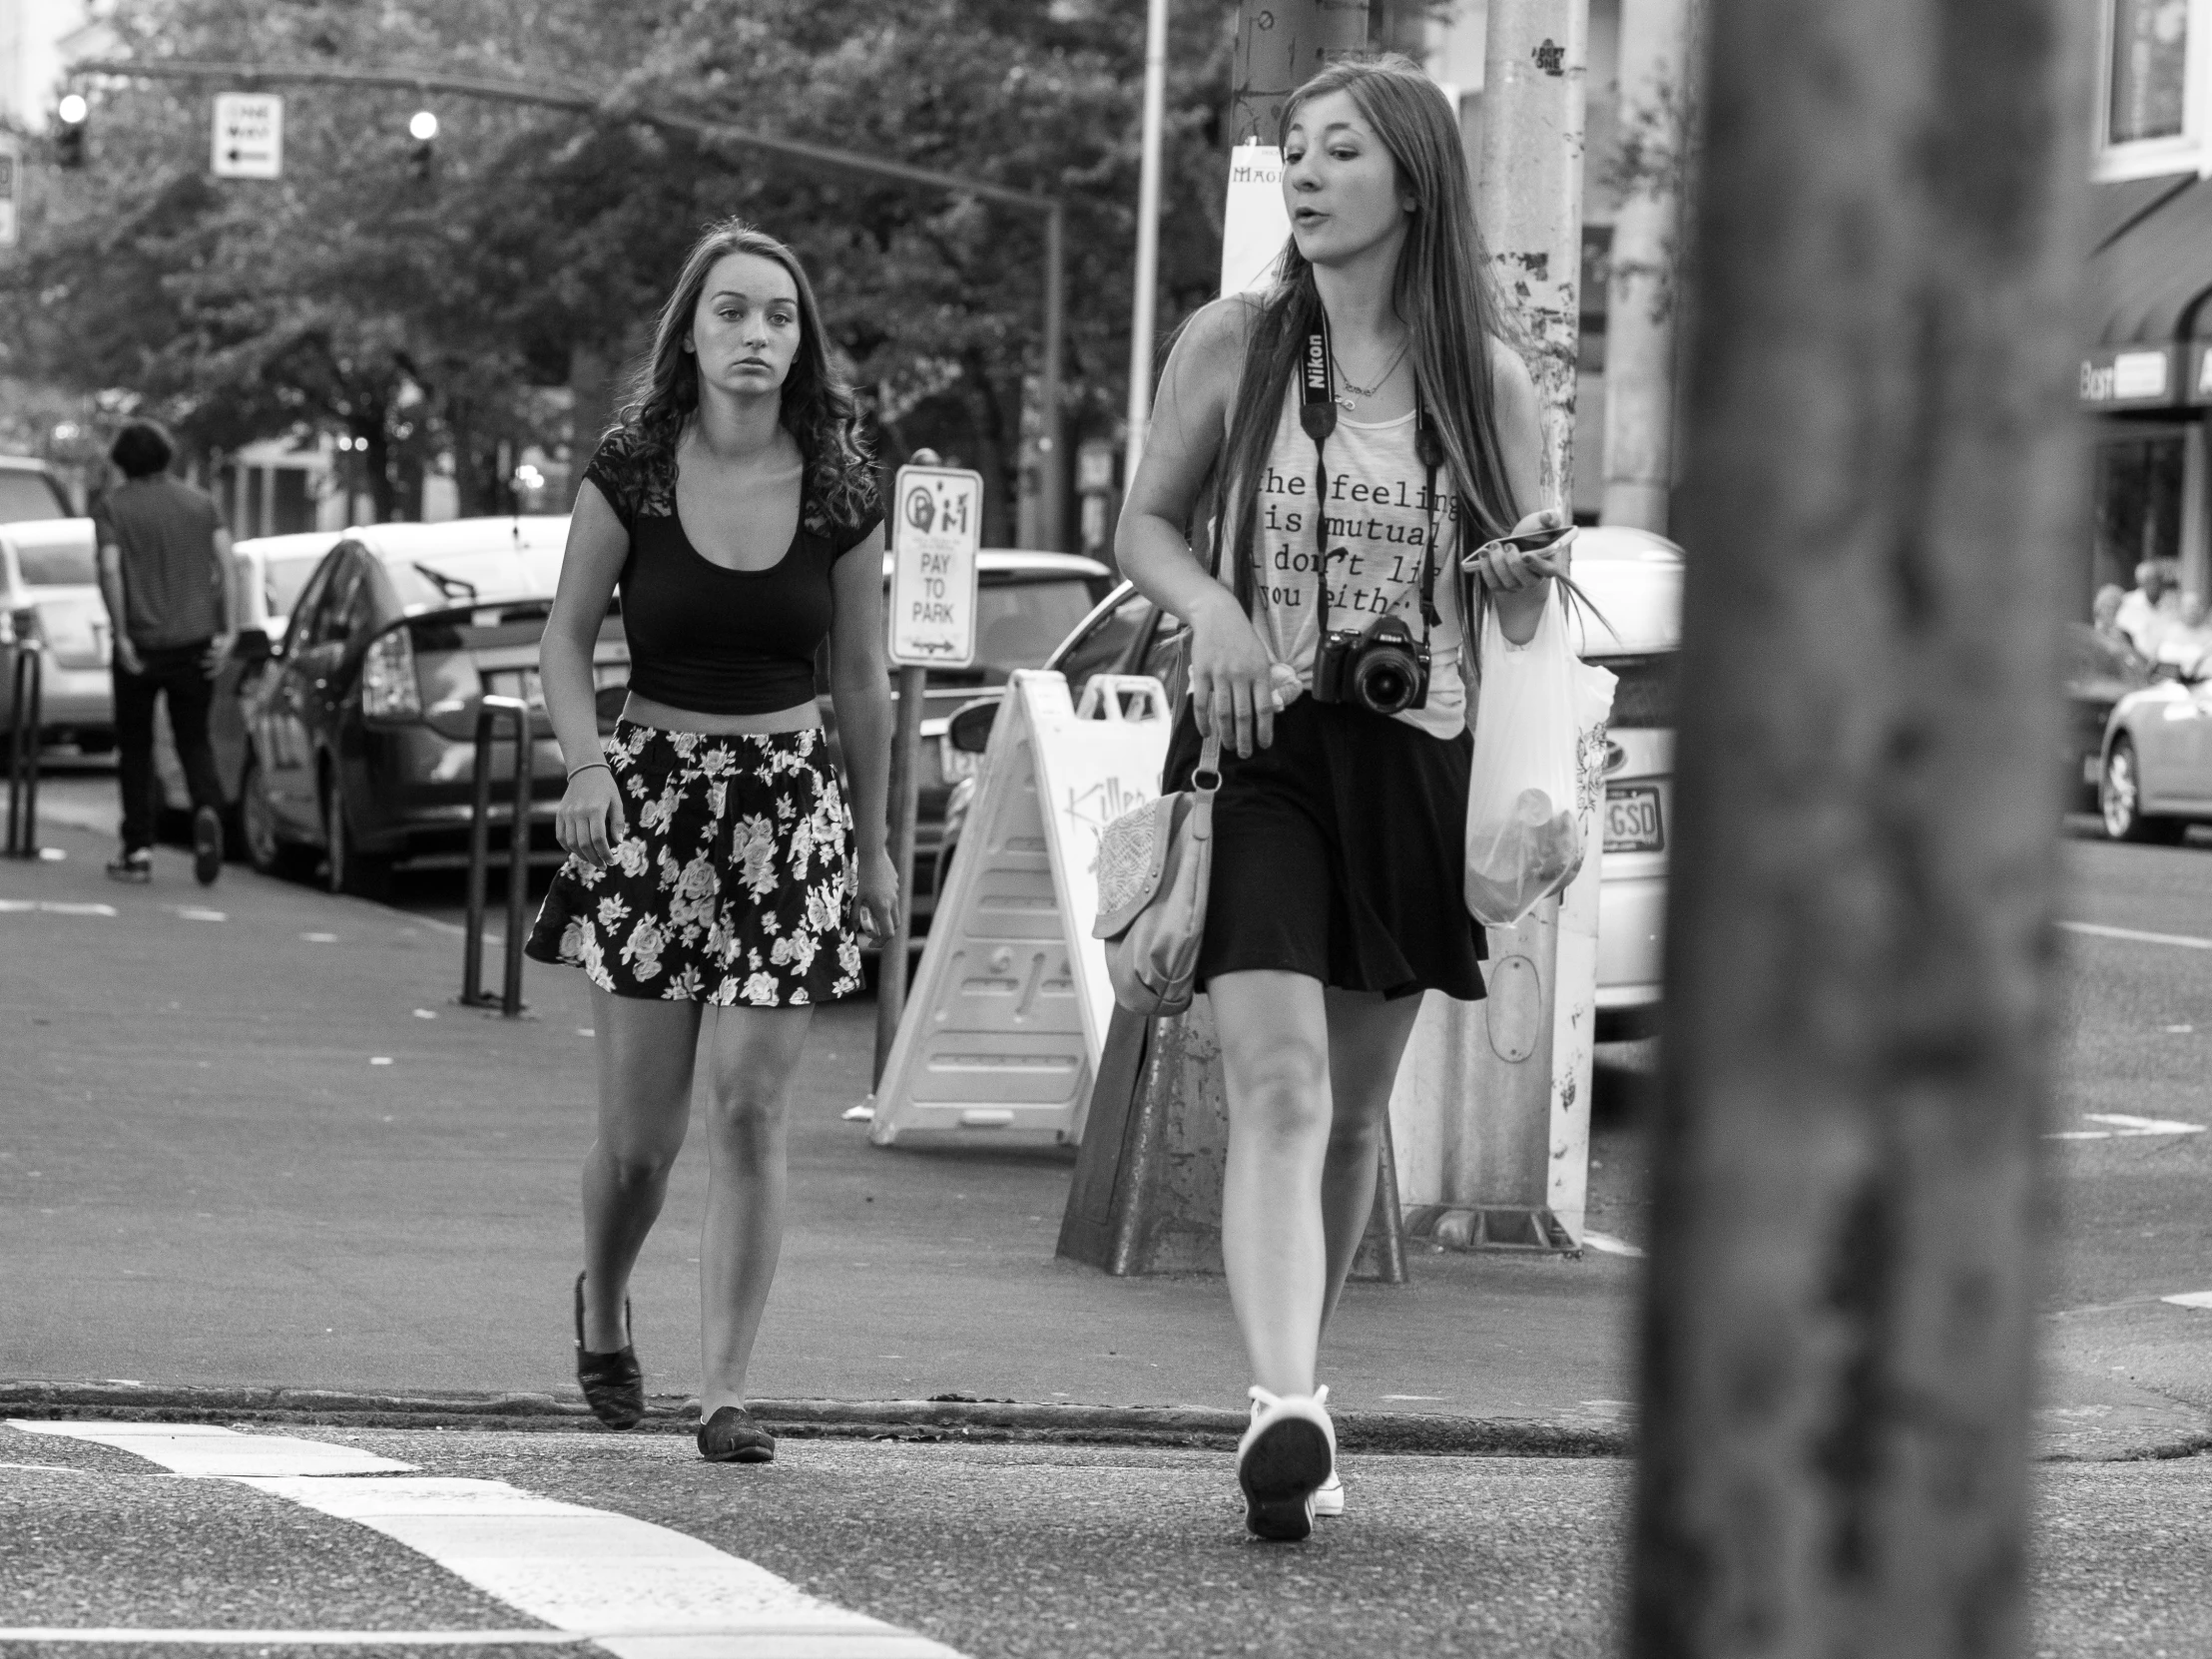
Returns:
<point x="876" y="904"/>
<point x="1503" y="568"/>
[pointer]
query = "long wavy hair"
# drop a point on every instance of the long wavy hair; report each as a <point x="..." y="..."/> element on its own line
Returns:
<point x="1443" y="290"/>
<point x="819" y="408"/>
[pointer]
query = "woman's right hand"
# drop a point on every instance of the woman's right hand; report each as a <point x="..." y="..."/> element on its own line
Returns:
<point x="1232" y="677"/>
<point x="591" y="821"/>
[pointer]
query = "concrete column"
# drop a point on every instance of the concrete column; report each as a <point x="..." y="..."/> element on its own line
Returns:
<point x="1490" y="1096"/>
<point x="1884" y="494"/>
<point x="1644" y="298"/>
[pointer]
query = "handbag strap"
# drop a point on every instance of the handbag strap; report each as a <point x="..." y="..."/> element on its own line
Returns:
<point x="1208" y="766"/>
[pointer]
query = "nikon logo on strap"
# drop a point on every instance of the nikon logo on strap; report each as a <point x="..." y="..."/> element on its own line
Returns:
<point x="1317" y="365"/>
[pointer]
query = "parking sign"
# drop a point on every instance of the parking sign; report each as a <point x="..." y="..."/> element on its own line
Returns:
<point x="248" y="135"/>
<point x="938" y="524"/>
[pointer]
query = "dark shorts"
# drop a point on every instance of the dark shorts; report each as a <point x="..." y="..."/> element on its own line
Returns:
<point x="733" y="885"/>
<point x="1338" y="853"/>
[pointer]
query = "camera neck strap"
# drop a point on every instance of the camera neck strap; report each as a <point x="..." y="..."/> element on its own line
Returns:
<point x="1316" y="413"/>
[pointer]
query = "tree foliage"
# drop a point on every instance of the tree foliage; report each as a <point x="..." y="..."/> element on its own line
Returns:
<point x="423" y="316"/>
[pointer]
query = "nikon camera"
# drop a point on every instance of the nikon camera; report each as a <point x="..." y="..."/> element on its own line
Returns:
<point x="1382" y="667"/>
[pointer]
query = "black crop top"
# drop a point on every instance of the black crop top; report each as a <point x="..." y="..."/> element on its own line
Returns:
<point x="704" y="637"/>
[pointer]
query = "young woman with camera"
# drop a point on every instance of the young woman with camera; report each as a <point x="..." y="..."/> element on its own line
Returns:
<point x="1372" y="382"/>
<point x="713" y="863"/>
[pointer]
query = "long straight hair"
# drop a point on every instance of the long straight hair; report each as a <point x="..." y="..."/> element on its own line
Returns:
<point x="819" y="408"/>
<point x="1442" y="289"/>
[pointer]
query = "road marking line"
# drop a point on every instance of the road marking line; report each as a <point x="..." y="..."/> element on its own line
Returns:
<point x="2125" y="1127"/>
<point x="1606" y="1243"/>
<point x="53" y="907"/>
<point x="638" y="1590"/>
<point x="2190" y="1298"/>
<point x="2185" y="941"/>
<point x="122" y="1635"/>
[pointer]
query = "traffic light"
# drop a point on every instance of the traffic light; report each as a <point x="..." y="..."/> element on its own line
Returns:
<point x="70" y="116"/>
<point x="423" y="159"/>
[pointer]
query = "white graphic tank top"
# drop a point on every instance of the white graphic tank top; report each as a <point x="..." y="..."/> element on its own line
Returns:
<point x="1378" y="521"/>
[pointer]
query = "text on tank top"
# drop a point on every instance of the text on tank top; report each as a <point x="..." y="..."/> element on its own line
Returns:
<point x="1377" y="515"/>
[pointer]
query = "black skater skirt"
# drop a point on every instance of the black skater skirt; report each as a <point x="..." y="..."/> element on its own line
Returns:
<point x="1338" y="853"/>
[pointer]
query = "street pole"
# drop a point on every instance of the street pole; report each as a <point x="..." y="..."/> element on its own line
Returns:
<point x="1884" y="488"/>
<point x="1491" y="1107"/>
<point x="1054" y="502"/>
<point x="1644" y="295"/>
<point x="1141" y="324"/>
<point x="1281" y="44"/>
<point x="890" y="963"/>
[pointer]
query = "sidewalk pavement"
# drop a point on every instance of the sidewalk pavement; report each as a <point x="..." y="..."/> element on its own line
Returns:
<point x="253" y="1145"/>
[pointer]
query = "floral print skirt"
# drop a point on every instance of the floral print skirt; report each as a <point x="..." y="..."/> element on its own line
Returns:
<point x="732" y="884"/>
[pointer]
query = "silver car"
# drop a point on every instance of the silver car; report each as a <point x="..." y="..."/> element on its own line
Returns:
<point x="50" y="600"/>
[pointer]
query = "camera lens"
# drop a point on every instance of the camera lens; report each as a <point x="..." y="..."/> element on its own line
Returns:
<point x="1386" y="679"/>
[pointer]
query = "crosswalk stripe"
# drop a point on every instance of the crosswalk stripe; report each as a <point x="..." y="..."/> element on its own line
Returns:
<point x="2097" y="931"/>
<point x="638" y="1590"/>
<point x="125" y="1635"/>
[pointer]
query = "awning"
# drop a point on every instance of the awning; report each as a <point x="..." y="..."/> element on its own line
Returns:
<point x="2150" y="276"/>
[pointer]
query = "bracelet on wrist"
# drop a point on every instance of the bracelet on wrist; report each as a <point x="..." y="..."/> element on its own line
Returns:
<point x="587" y="766"/>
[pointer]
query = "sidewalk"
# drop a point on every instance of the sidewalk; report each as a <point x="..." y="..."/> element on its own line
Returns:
<point x="252" y="1142"/>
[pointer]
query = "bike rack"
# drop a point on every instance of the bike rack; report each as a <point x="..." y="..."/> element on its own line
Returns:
<point x="489" y="713"/>
<point x="28" y="684"/>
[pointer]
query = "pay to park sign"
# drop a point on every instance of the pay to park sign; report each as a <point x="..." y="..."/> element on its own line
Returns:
<point x="937" y="526"/>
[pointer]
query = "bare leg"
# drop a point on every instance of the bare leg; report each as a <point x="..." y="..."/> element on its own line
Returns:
<point x="1274" y="1059"/>
<point x="645" y="1080"/>
<point x="756" y="1053"/>
<point x="1366" y="1039"/>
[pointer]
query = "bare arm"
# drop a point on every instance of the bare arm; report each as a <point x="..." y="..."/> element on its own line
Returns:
<point x="591" y="818"/>
<point x="1517" y="580"/>
<point x="860" y="688"/>
<point x="1231" y="677"/>
<point x="226" y="612"/>
<point x="110" y="563"/>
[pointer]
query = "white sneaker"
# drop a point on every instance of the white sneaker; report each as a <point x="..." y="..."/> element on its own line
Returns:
<point x="1329" y="1497"/>
<point x="1286" y="1456"/>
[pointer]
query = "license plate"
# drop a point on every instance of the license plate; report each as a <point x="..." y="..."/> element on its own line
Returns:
<point x="524" y="683"/>
<point x="1632" y="818"/>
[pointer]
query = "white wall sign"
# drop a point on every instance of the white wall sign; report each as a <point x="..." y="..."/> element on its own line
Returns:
<point x="248" y="135"/>
<point x="938" y="524"/>
<point x="11" y="169"/>
<point x="1255" y="224"/>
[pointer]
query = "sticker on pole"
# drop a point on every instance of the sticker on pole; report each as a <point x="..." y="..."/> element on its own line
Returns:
<point x="11" y="159"/>
<point x="937" y="520"/>
<point x="248" y="135"/>
<point x="1255" y="223"/>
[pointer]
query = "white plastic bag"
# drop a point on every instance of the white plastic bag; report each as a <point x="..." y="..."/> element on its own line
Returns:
<point x="1538" y="769"/>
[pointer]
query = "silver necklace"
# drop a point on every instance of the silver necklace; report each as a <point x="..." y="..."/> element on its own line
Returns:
<point x="1350" y="396"/>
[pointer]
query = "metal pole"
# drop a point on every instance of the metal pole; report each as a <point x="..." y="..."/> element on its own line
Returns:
<point x="518" y="864"/>
<point x="26" y="712"/>
<point x="1884" y="493"/>
<point x="1055" y="492"/>
<point x="1146" y="291"/>
<point x="890" y="984"/>
<point x="1280" y="44"/>
<point x="1644" y="298"/>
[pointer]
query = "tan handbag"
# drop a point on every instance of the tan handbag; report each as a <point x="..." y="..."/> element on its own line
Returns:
<point x="1155" y="864"/>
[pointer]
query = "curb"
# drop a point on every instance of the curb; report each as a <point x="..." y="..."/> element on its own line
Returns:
<point x="949" y="1418"/>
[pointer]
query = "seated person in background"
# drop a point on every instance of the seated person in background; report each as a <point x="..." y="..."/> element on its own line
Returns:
<point x="2150" y="609"/>
<point x="2183" y="643"/>
<point x="2105" y="613"/>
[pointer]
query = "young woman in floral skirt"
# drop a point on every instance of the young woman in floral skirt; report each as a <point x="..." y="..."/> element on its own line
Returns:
<point x="713" y="861"/>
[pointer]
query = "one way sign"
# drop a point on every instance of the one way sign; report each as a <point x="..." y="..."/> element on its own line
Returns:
<point x="248" y="135"/>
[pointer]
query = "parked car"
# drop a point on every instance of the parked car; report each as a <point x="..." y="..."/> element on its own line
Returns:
<point x="29" y="491"/>
<point x="2155" y="775"/>
<point x="268" y="573"/>
<point x="1635" y="579"/>
<point x="2099" y="671"/>
<point x="362" y="734"/>
<point x="50" y="598"/>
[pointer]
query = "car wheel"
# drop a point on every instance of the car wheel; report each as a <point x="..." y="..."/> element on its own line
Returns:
<point x="2120" y="801"/>
<point x="267" y="851"/>
<point x="346" y="868"/>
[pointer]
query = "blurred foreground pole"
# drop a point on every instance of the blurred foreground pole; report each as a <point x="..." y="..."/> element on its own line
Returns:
<point x="1882" y="496"/>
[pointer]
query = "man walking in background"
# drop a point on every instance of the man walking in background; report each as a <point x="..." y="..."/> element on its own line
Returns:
<point x="165" y="571"/>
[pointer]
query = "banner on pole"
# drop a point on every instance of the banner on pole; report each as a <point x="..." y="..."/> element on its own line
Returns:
<point x="1007" y="1016"/>
<point x="1255" y="224"/>
<point x="937" y="526"/>
<point x="248" y="135"/>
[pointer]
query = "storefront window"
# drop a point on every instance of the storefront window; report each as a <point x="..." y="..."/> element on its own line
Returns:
<point x="2138" y="508"/>
<point x="2150" y="52"/>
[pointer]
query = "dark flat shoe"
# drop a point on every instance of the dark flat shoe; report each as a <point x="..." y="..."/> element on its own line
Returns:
<point x="731" y="1436"/>
<point x="613" y="1383"/>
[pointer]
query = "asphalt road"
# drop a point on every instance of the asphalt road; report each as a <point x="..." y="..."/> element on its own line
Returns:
<point x="993" y="1551"/>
